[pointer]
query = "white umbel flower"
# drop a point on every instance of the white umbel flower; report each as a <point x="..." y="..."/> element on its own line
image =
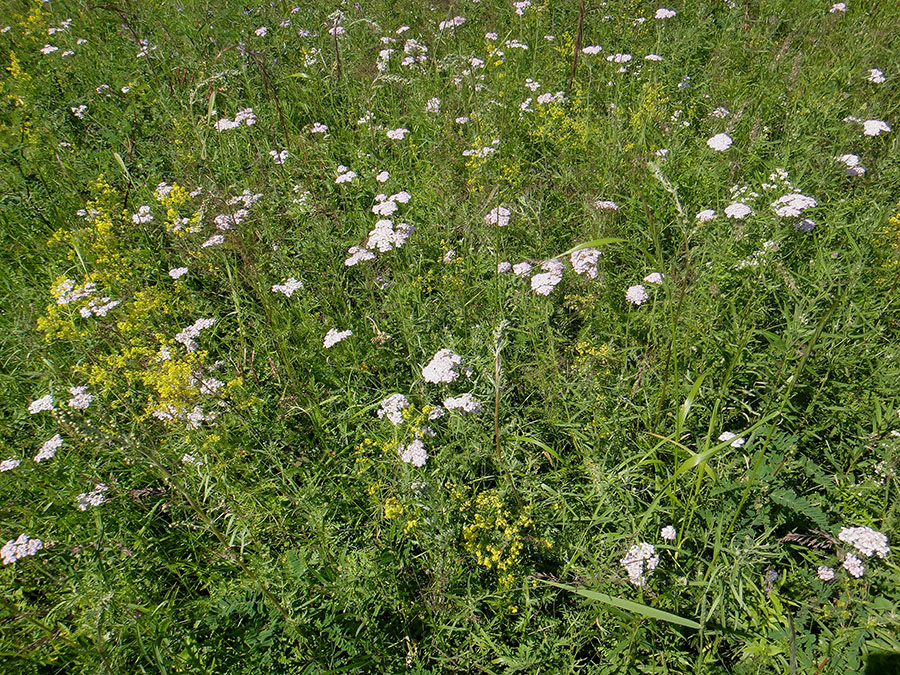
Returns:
<point x="333" y="336"/>
<point x="825" y="573"/>
<point x="720" y="142"/>
<point x="288" y="287"/>
<point x="854" y="566"/>
<point x="414" y="453"/>
<point x="728" y="436"/>
<point x="640" y="560"/>
<point x="667" y="533"/>
<point x="866" y="540"/>
<point x="636" y="295"/>
<point x="49" y="448"/>
<point x="42" y="404"/>
<point x="874" y="127"/>
<point x="464" y="404"/>
<point x="392" y="407"/>
<point x="443" y="367"/>
<point x="738" y="210"/>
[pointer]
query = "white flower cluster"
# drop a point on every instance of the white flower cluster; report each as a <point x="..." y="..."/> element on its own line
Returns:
<point x="81" y="399"/>
<point x="852" y="164"/>
<point x="66" y="292"/>
<point x="288" y="286"/>
<point x="726" y="436"/>
<point x="397" y="134"/>
<point x="279" y="155"/>
<point x="413" y="453"/>
<point x="544" y="283"/>
<point x="177" y="272"/>
<point x="433" y="105"/>
<point x="188" y="335"/>
<point x="606" y="205"/>
<point x="143" y="215"/>
<point x="705" y="216"/>
<point x="825" y="573"/>
<point x="43" y="404"/>
<point x="192" y="419"/>
<point x="443" y="367"/>
<point x="244" y="116"/>
<point x="9" y="464"/>
<point x="636" y="295"/>
<point x="865" y="540"/>
<point x="720" y="142"/>
<point x="465" y="403"/>
<point x="667" y="533"/>
<point x="592" y="50"/>
<point x="498" y="216"/>
<point x="663" y="13"/>
<point x="392" y="407"/>
<point x="385" y="235"/>
<point x="874" y="127"/>
<point x="640" y="560"/>
<point x="854" y="565"/>
<point x="738" y="210"/>
<point x="345" y="175"/>
<point x="452" y="23"/>
<point x="333" y="336"/>
<point x="93" y="498"/>
<point x="49" y="448"/>
<point x="793" y="205"/>
<point x="585" y="261"/>
<point x="16" y="549"/>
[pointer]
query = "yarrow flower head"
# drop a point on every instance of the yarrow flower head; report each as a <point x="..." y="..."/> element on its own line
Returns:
<point x="793" y="205"/>
<point x="498" y="216"/>
<point x="142" y="216"/>
<point x="874" y="127"/>
<point x="667" y="533"/>
<point x="279" y="156"/>
<point x="288" y="287"/>
<point x="728" y="436"/>
<point x="414" y="453"/>
<point x="49" y="448"/>
<point x="854" y="565"/>
<point x="545" y="282"/>
<point x="44" y="403"/>
<point x="640" y="560"/>
<point x="9" y="464"/>
<point x="738" y="210"/>
<point x="93" y="498"/>
<point x="636" y="295"/>
<point x="186" y="336"/>
<point x="333" y="336"/>
<point x="465" y="404"/>
<point x="663" y="13"/>
<point x="443" y="367"/>
<point x="397" y="134"/>
<point x="606" y="205"/>
<point x="865" y="540"/>
<point x="178" y="272"/>
<point x="392" y="407"/>
<point x="585" y="261"/>
<point x="15" y="549"/>
<point x="825" y="573"/>
<point x="876" y="76"/>
<point x="720" y="142"/>
<point x="81" y="399"/>
<point x="838" y="8"/>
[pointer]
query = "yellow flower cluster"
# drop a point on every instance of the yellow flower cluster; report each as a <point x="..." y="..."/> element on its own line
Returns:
<point x="495" y="534"/>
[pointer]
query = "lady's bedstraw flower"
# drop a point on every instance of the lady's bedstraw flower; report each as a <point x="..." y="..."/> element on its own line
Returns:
<point x="443" y="367"/>
<point x="636" y="295"/>
<point x="42" y="404"/>
<point x="49" y="448"/>
<point x="333" y="336"/>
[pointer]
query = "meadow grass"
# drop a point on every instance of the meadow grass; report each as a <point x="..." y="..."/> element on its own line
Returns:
<point x="641" y="454"/>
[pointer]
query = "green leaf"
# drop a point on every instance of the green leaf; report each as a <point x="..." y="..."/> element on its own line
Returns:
<point x="629" y="605"/>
